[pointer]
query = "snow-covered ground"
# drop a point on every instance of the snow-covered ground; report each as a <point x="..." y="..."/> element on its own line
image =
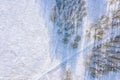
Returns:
<point x="24" y="40"/>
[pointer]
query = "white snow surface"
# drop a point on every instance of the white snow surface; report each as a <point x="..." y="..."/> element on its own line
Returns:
<point x="24" y="40"/>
